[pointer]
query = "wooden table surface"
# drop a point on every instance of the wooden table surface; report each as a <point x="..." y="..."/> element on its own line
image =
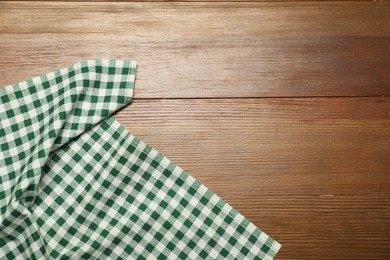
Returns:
<point x="281" y="108"/>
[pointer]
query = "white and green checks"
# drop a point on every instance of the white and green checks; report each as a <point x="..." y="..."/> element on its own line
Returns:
<point x="75" y="184"/>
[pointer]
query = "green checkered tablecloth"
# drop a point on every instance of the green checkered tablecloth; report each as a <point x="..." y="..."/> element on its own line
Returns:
<point x="75" y="184"/>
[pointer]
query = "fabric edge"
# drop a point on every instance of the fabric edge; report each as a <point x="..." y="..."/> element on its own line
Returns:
<point x="275" y="246"/>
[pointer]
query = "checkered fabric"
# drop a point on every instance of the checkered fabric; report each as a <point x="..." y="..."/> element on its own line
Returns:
<point x="75" y="184"/>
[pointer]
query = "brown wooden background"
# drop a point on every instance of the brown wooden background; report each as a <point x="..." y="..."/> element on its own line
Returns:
<point x="281" y="108"/>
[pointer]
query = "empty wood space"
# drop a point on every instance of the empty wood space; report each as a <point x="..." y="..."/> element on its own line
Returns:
<point x="281" y="108"/>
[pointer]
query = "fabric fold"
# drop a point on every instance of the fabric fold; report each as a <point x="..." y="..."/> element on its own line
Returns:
<point x="76" y="184"/>
<point x="44" y="113"/>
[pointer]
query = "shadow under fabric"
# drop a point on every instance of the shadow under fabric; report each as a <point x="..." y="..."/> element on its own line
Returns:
<point x="74" y="183"/>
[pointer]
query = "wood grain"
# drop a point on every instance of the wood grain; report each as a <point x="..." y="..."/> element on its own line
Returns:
<point x="314" y="173"/>
<point x="324" y="227"/>
<point x="304" y="146"/>
<point x="191" y="50"/>
<point x="282" y="109"/>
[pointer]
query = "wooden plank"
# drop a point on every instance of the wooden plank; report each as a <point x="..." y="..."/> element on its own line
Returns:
<point x="313" y="172"/>
<point x="190" y="50"/>
<point x="304" y="146"/>
<point x="322" y="227"/>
